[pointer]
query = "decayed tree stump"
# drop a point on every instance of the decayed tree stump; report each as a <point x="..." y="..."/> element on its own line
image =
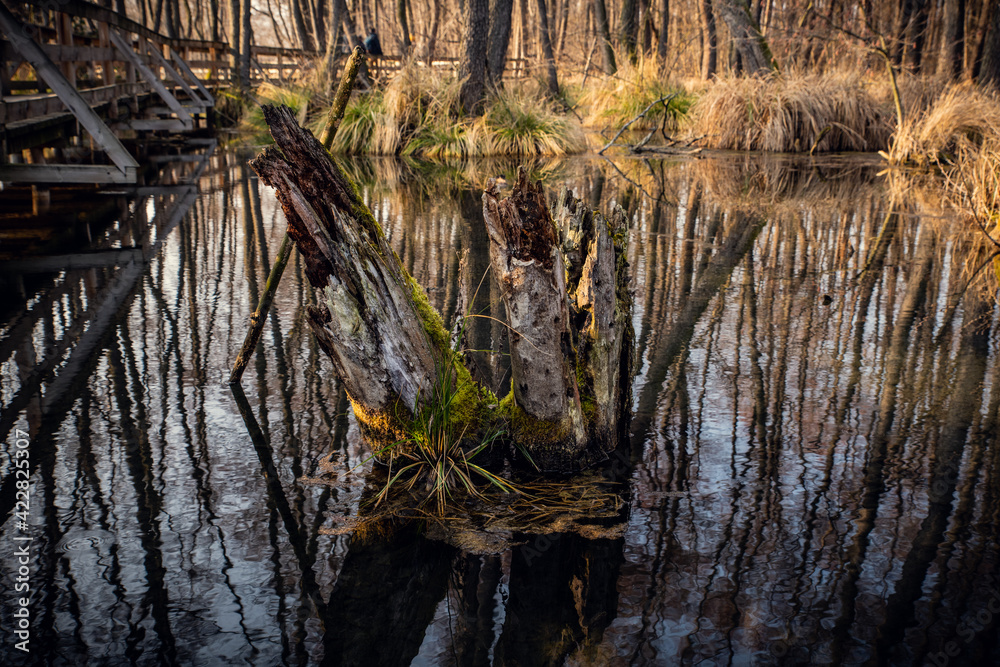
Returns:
<point x="564" y="285"/>
<point x="566" y="293"/>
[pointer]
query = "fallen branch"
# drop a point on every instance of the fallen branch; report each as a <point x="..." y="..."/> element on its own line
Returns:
<point x="627" y="125"/>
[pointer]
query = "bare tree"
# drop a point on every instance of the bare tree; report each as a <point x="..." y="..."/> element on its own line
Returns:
<point x="989" y="71"/>
<point x="550" y="59"/>
<point x="708" y="43"/>
<point x="472" y="69"/>
<point x="404" y="27"/>
<point x="952" y="39"/>
<point x="661" y="45"/>
<point x="604" y="35"/>
<point x="755" y="55"/>
<point x="500" y="17"/>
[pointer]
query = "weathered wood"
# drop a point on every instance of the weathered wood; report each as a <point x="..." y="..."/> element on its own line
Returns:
<point x="66" y="173"/>
<point x="568" y="305"/>
<point x="126" y="50"/>
<point x="285" y="249"/>
<point x="47" y="70"/>
<point x="367" y="319"/>
<point x="565" y="291"/>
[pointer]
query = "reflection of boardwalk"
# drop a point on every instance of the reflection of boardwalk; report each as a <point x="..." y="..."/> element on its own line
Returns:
<point x="47" y="372"/>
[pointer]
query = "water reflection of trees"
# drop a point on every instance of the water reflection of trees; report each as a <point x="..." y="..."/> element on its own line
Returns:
<point x="814" y="459"/>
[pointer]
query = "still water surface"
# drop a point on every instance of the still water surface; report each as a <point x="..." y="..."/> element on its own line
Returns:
<point x="815" y="476"/>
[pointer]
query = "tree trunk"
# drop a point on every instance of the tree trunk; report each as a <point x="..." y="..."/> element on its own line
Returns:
<point x="568" y="307"/>
<point x="565" y="289"/>
<point x="952" y="39"/>
<point x="367" y="319"/>
<point x="300" y="25"/>
<point x="604" y="35"/>
<point x="404" y="27"/>
<point x="319" y="20"/>
<point x="628" y="25"/>
<point x="245" y="44"/>
<point x="755" y="55"/>
<point x="472" y="70"/>
<point x="708" y="43"/>
<point x="550" y="59"/>
<point x="431" y="45"/>
<point x="235" y="21"/>
<point x="989" y="69"/>
<point x="500" y="16"/>
<point x="661" y="46"/>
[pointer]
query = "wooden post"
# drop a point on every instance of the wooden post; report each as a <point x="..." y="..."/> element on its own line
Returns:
<point x="64" y="34"/>
<point x="107" y="70"/>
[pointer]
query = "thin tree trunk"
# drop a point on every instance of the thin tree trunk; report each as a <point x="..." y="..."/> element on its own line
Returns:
<point x="404" y="27"/>
<point x="661" y="45"/>
<point x="431" y="46"/>
<point x="989" y="71"/>
<point x="550" y="60"/>
<point x="500" y="18"/>
<point x="604" y="35"/>
<point x="235" y="22"/>
<point x="709" y="56"/>
<point x="917" y="36"/>
<point x="300" y="25"/>
<point x="952" y="39"/>
<point x="321" y="24"/>
<point x="472" y="69"/>
<point x="245" y="36"/>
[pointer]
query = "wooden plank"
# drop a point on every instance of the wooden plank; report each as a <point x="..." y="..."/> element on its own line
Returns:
<point x="155" y="124"/>
<point x="161" y="90"/>
<point x="66" y="173"/>
<point x="173" y="74"/>
<point x="47" y="70"/>
<point x="22" y="108"/>
<point x="205" y="95"/>
<point x="60" y="53"/>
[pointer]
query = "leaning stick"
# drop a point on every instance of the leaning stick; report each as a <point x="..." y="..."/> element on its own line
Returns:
<point x="285" y="249"/>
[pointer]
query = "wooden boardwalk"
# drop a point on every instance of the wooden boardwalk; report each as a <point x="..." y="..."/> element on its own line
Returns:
<point x="71" y="64"/>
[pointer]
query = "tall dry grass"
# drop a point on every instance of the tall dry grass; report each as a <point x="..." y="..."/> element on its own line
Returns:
<point x="960" y="120"/>
<point x="793" y="113"/>
<point x="415" y="115"/>
<point x="612" y="101"/>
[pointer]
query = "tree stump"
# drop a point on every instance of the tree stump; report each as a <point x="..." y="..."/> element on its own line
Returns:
<point x="565" y="286"/>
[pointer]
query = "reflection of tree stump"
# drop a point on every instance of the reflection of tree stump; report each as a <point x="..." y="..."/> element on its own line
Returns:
<point x="565" y="289"/>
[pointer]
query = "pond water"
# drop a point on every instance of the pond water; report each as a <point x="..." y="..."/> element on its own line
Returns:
<point x="814" y="473"/>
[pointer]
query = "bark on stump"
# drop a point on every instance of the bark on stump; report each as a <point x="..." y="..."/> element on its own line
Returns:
<point x="565" y="288"/>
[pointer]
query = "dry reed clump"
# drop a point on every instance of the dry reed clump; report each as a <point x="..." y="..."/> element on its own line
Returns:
<point x="781" y="113"/>
<point x="962" y="118"/>
<point x="974" y="180"/>
<point x="415" y="116"/>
